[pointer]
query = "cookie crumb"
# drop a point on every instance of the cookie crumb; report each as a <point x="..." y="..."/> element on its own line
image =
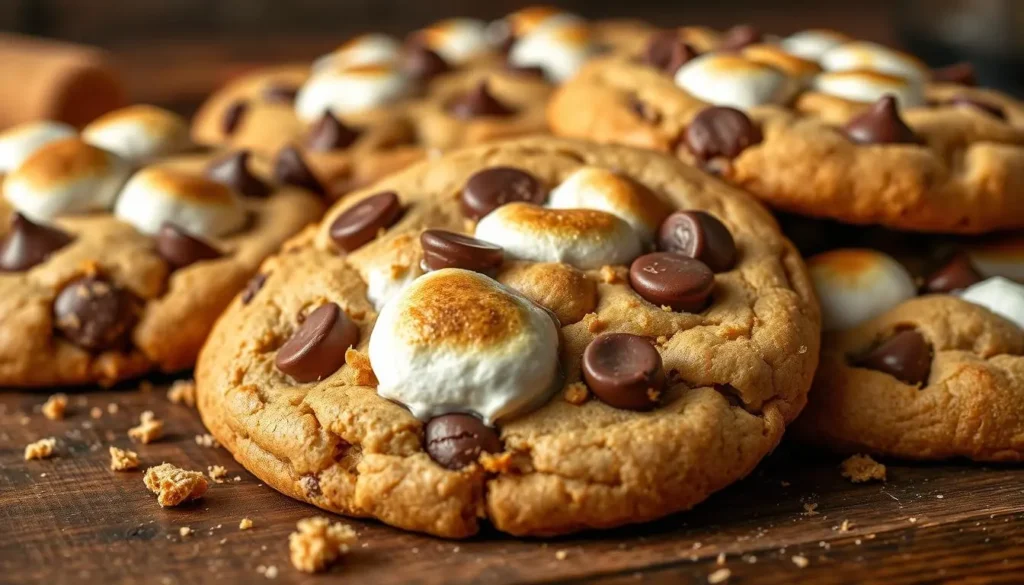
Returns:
<point x="245" y="524"/>
<point x="811" y="510"/>
<point x="912" y="520"/>
<point x="719" y="576"/>
<point x="360" y="362"/>
<point x="182" y="392"/>
<point x="497" y="463"/>
<point x="845" y="526"/>
<point x="800" y="561"/>
<point x="112" y="408"/>
<point x="96" y="412"/>
<point x="609" y="275"/>
<point x="217" y="473"/>
<point x="206" y="440"/>
<point x="576" y="393"/>
<point x="174" y="485"/>
<point x="55" y="406"/>
<point x="41" y="449"/>
<point x="862" y="468"/>
<point x="123" y="459"/>
<point x="149" y="429"/>
<point x="184" y="531"/>
<point x="268" y="572"/>
<point x="317" y="544"/>
<point x="561" y="554"/>
<point x="720" y="560"/>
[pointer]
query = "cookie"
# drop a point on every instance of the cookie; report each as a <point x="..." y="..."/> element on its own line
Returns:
<point x="857" y="133"/>
<point x="917" y="377"/>
<point x="105" y="274"/>
<point x="545" y="334"/>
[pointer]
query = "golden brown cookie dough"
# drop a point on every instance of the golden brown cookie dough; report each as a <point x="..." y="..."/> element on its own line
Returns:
<point x="737" y="372"/>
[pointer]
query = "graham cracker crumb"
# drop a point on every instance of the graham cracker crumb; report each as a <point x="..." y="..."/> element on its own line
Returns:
<point x="55" y="406"/>
<point x="719" y="576"/>
<point x="184" y="531"/>
<point x="182" y="392"/>
<point x="150" y="429"/>
<point x="174" y="485"/>
<point x="206" y="440"/>
<point x="217" y="473"/>
<point x="811" y="510"/>
<point x="123" y="459"/>
<point x="800" y="561"/>
<point x="317" y="544"/>
<point x="862" y="468"/>
<point x="360" y="362"/>
<point x="245" y="524"/>
<point x="41" y="449"/>
<point x="576" y="393"/>
<point x="96" y="412"/>
<point x="561" y="554"/>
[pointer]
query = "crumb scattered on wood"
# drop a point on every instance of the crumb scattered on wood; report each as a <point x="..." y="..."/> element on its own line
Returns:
<point x="800" y="561"/>
<point x="561" y="554"/>
<point x="845" y="526"/>
<point x="41" y="449"/>
<point x="576" y="393"/>
<point x="719" y="576"/>
<point x="149" y="429"/>
<point x="55" y="406"/>
<point x="174" y="485"/>
<point x="811" y="509"/>
<point x="217" y="473"/>
<point x="182" y="392"/>
<point x="245" y="524"/>
<point x="206" y="440"/>
<point x="112" y="408"/>
<point x="184" y="531"/>
<point x="268" y="572"/>
<point x="317" y="544"/>
<point x="862" y="468"/>
<point x="123" y="459"/>
<point x="720" y="560"/>
<point x="96" y="412"/>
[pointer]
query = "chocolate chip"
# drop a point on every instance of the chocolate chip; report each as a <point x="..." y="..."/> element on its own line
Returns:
<point x="329" y="133"/>
<point x="360" y="223"/>
<point x="290" y="169"/>
<point x="29" y="244"/>
<point x="699" y="235"/>
<point x="233" y="171"/>
<point x="457" y="440"/>
<point x="423" y="64"/>
<point x="478" y="103"/>
<point x="881" y="124"/>
<point x="720" y="132"/>
<point x="905" y="356"/>
<point x="317" y="348"/>
<point x="957" y="274"/>
<point x="624" y="371"/>
<point x="280" y="93"/>
<point x="988" y="108"/>
<point x="443" y="249"/>
<point x="491" y="188"/>
<point x="961" y="73"/>
<point x="739" y="37"/>
<point x="233" y="117"/>
<point x="667" y="52"/>
<point x="252" y="287"/>
<point x="672" y="280"/>
<point x="94" y="313"/>
<point x="180" y="248"/>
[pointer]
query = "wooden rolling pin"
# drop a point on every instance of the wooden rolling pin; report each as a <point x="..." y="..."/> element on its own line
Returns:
<point x="46" y="79"/>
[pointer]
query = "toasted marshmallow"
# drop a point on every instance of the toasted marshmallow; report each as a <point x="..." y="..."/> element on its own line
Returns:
<point x="870" y="86"/>
<point x="196" y="204"/>
<point x="457" y="40"/>
<point x="348" y="90"/>
<point x="800" y="70"/>
<point x="458" y="341"/>
<point x="65" y="177"/>
<point x="368" y="49"/>
<point x="559" y="48"/>
<point x="999" y="295"/>
<point x="1003" y="258"/>
<point x="522" y="22"/>
<point x="138" y="133"/>
<point x="857" y="285"/>
<point x="812" y="44"/>
<point x="584" y="238"/>
<point x="860" y="55"/>
<point x="604" y="190"/>
<point x="726" y="79"/>
<point x="19" y="142"/>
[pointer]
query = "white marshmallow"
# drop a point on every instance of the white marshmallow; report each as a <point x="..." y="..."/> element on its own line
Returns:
<point x="526" y="20"/>
<point x="857" y="285"/>
<point x="603" y="190"/>
<point x="368" y="49"/>
<point x="862" y="55"/>
<point x="349" y="90"/>
<point x="1002" y="258"/>
<point x="812" y="44"/>
<point x="999" y="295"/>
<point x="583" y="238"/>
<point x="139" y="133"/>
<point x="385" y="282"/>
<point x="458" y="341"/>
<point x="19" y="142"/>
<point x="560" y="48"/>
<point x="196" y="204"/>
<point x="800" y="71"/>
<point x="457" y="40"/>
<point x="726" y="79"/>
<point x="65" y="177"/>
<point x="870" y="86"/>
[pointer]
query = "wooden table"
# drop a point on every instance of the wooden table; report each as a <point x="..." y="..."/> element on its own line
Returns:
<point x="70" y="519"/>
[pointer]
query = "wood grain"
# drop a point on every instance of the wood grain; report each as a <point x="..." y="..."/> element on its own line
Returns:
<point x="72" y="520"/>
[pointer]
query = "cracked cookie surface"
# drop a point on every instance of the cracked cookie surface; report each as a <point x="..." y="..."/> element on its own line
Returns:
<point x="737" y="371"/>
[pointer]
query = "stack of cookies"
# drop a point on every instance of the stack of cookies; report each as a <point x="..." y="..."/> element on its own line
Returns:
<point x="545" y="333"/>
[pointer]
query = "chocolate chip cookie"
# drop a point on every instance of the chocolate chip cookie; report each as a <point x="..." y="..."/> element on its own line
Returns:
<point x="106" y="274"/>
<point x="545" y="334"/>
<point x="816" y="124"/>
